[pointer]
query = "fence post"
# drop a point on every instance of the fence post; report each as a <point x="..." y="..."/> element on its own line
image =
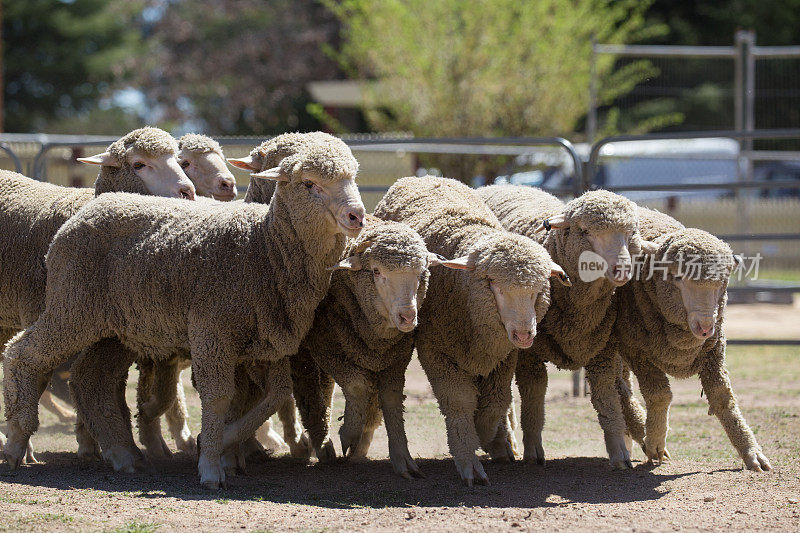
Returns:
<point x="591" y="117"/>
<point x="745" y="65"/>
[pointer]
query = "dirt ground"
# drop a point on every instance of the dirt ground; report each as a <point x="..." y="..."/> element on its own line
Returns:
<point x="702" y="488"/>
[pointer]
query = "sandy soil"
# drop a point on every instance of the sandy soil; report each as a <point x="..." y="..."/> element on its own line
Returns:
<point x="702" y="488"/>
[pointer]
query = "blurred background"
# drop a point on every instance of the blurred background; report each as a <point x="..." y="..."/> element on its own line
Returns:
<point x="411" y="84"/>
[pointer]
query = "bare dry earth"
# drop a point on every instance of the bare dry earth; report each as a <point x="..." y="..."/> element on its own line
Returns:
<point x="702" y="488"/>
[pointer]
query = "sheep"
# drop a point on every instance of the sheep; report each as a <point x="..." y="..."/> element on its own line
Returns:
<point x="576" y="330"/>
<point x="258" y="304"/>
<point x="472" y="323"/>
<point x="671" y="322"/>
<point x="362" y="338"/>
<point x="201" y="158"/>
<point x="143" y="161"/>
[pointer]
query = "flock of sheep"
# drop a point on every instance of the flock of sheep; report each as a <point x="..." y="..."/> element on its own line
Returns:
<point x="274" y="299"/>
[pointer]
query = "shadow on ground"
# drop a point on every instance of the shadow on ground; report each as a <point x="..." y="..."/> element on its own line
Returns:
<point x="345" y="485"/>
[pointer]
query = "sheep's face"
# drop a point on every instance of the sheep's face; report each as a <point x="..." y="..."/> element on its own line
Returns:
<point x="339" y="198"/>
<point x="516" y="270"/>
<point x="700" y="300"/>
<point x="161" y="174"/>
<point x="209" y="173"/>
<point x="613" y="247"/>
<point x="397" y="292"/>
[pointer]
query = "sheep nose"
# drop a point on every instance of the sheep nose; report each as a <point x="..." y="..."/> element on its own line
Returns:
<point x="355" y="218"/>
<point x="186" y="192"/>
<point x="227" y="184"/>
<point x="523" y="339"/>
<point x="622" y="273"/>
<point x="703" y="328"/>
<point x="408" y="317"/>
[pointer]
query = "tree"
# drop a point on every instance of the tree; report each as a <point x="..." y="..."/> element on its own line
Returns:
<point x="236" y="67"/>
<point x="481" y="67"/>
<point x="62" y="56"/>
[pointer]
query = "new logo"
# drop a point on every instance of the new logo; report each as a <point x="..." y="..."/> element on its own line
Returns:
<point x="591" y="266"/>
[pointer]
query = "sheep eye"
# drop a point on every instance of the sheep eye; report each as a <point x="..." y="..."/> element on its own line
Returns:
<point x="376" y="271"/>
<point x="184" y="164"/>
<point x="138" y="165"/>
<point x="308" y="183"/>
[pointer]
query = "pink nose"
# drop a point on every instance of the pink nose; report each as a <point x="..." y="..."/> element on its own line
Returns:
<point x="703" y="328"/>
<point x="523" y="338"/>
<point x="408" y="317"/>
<point x="227" y="185"/>
<point x="186" y="192"/>
<point x="355" y="219"/>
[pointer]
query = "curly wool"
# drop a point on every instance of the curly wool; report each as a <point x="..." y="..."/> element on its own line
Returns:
<point x="194" y="142"/>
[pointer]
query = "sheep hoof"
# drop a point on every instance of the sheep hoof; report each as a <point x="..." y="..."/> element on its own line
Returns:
<point x="14" y="452"/>
<point x="471" y="470"/>
<point x="327" y="452"/>
<point x="212" y="475"/>
<point x="301" y="449"/>
<point x="188" y="445"/>
<point x="656" y="454"/>
<point x="29" y="457"/>
<point x="534" y="454"/>
<point x="122" y="459"/>
<point x="89" y="451"/>
<point x="405" y="466"/>
<point x="756" y="461"/>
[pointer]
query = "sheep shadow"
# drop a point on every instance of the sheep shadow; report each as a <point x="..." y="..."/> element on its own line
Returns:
<point x="343" y="485"/>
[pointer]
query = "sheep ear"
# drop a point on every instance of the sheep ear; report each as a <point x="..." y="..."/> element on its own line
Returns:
<point x="351" y="263"/>
<point x="274" y="173"/>
<point x="435" y="259"/>
<point x="557" y="272"/>
<point x="245" y="163"/>
<point x="105" y="159"/>
<point x="459" y="263"/>
<point x="648" y="247"/>
<point x="555" y="222"/>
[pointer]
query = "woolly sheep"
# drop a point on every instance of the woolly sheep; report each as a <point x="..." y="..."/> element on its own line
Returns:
<point x="201" y="158"/>
<point x="575" y="331"/>
<point x="258" y="304"/>
<point x="143" y="161"/>
<point x="472" y="323"/>
<point x="670" y="322"/>
<point x="362" y="338"/>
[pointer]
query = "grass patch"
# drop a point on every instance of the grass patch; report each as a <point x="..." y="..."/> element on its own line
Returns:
<point x="136" y="527"/>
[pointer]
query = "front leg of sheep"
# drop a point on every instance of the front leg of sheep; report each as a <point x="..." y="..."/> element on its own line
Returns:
<point x="602" y="372"/>
<point x="635" y="416"/>
<point x="722" y="403"/>
<point x="532" y="384"/>
<point x="458" y="400"/>
<point x="494" y="400"/>
<point x="654" y="385"/>
<point x="313" y="394"/>
<point x="151" y="402"/>
<point x="390" y="390"/>
<point x="359" y="391"/>
<point x="293" y="433"/>
<point x="213" y="368"/>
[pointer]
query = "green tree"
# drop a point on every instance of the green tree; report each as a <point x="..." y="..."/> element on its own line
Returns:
<point x="62" y="57"/>
<point x="236" y="67"/>
<point x="484" y="67"/>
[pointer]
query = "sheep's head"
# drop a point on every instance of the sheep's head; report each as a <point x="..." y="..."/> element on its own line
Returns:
<point x="516" y="271"/>
<point x="144" y="161"/>
<point x="691" y="267"/>
<point x="320" y="175"/>
<point x="389" y="266"/>
<point x="606" y="224"/>
<point x="202" y="160"/>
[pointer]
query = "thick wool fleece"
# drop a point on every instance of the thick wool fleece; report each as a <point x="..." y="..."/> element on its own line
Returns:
<point x="269" y="154"/>
<point x="258" y="303"/>
<point x="361" y="349"/>
<point x="655" y="340"/>
<point x="575" y="332"/>
<point x="194" y="142"/>
<point x="461" y="341"/>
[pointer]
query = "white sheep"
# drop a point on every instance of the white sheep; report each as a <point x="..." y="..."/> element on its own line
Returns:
<point x="257" y="304"/>
<point x="472" y="323"/>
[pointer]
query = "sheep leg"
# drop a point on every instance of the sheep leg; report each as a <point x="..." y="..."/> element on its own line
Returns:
<point x="458" y="400"/>
<point x="602" y="372"/>
<point x="390" y="391"/>
<point x="494" y="401"/>
<point x="155" y="392"/>
<point x="360" y="392"/>
<point x="88" y="448"/>
<point x="292" y="431"/>
<point x="654" y="385"/>
<point x="632" y="411"/>
<point x="65" y="415"/>
<point x="177" y="420"/>
<point x="279" y="386"/>
<point x="213" y="371"/>
<point x="29" y="361"/>
<point x="99" y="380"/>
<point x="313" y="393"/>
<point x="371" y="422"/>
<point x="722" y="403"/>
<point x="532" y="384"/>
<point x="271" y="440"/>
<point x="5" y="335"/>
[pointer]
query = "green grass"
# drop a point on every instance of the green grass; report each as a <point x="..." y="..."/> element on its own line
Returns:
<point x="136" y="527"/>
